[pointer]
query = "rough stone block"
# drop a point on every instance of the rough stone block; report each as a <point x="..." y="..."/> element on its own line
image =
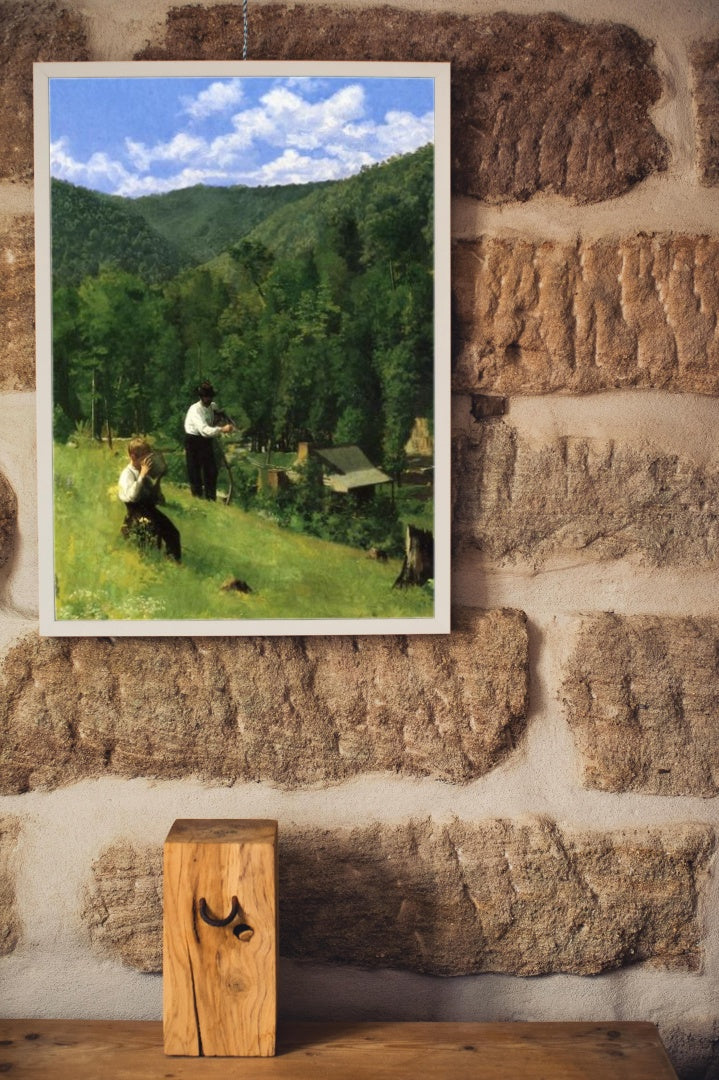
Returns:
<point x="705" y="61"/>
<point x="518" y="500"/>
<point x="642" y="696"/>
<point x="17" y="304"/>
<point x="8" y="519"/>
<point x="522" y="897"/>
<point x="123" y="905"/>
<point x="9" y="918"/>
<point x="291" y="711"/>
<point x="534" y="318"/>
<point x="29" y="33"/>
<point x="539" y="102"/>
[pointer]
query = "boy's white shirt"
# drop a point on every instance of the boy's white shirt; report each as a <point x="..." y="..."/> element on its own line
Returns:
<point x="129" y="485"/>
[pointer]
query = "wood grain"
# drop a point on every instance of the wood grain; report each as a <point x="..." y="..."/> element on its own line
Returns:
<point x="219" y="986"/>
<point x="116" y="1050"/>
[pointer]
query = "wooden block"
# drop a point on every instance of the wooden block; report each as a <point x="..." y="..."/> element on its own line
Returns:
<point x="220" y="981"/>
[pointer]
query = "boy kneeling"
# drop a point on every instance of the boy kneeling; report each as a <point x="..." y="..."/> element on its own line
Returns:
<point x="140" y="493"/>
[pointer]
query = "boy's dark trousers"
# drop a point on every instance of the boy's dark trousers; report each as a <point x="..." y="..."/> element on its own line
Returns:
<point x="161" y="525"/>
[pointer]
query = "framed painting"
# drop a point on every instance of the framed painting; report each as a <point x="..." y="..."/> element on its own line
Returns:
<point x="243" y="343"/>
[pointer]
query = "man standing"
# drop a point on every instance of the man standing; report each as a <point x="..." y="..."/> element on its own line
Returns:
<point x="200" y="432"/>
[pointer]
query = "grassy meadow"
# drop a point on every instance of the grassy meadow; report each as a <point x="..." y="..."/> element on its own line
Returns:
<point x="101" y="575"/>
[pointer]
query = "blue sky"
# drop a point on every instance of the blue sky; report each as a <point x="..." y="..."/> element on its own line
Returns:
<point x="142" y="136"/>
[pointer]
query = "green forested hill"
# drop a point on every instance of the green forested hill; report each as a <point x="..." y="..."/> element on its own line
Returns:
<point x="156" y="236"/>
<point x="204" y="221"/>
<point x="392" y="197"/>
<point x="90" y="230"/>
<point x="316" y="325"/>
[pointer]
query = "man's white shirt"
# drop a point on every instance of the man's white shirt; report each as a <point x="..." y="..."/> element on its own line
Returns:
<point x="199" y="420"/>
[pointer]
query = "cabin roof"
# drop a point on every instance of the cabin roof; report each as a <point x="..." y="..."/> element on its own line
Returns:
<point x="351" y="468"/>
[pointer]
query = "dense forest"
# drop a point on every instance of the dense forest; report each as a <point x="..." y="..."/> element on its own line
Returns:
<point x="310" y="307"/>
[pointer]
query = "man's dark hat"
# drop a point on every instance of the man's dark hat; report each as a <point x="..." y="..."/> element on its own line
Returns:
<point x="206" y="389"/>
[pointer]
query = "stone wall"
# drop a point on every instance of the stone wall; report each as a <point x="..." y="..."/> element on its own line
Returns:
<point x="533" y="795"/>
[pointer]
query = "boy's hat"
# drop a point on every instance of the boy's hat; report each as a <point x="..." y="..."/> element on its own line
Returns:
<point x="206" y="389"/>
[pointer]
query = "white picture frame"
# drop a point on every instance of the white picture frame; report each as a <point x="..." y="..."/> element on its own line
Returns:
<point x="61" y="153"/>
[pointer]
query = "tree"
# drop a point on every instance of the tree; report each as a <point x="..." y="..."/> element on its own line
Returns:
<point x="254" y="262"/>
<point x="66" y="346"/>
<point x="117" y="329"/>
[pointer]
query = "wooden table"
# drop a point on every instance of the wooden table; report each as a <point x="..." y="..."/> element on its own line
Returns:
<point x="119" y="1050"/>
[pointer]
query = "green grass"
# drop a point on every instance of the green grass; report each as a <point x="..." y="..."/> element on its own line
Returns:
<point x="101" y="575"/>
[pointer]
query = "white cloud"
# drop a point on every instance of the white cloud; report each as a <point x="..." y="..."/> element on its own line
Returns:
<point x="183" y="147"/>
<point x="133" y="186"/>
<point x="290" y="120"/>
<point x="226" y="150"/>
<point x="323" y="140"/>
<point x="293" y="168"/>
<point x="282" y="119"/>
<point x="218" y="97"/>
<point x="305" y="83"/>
<point x="403" y="132"/>
<point x="351" y="158"/>
<point x="102" y="172"/>
<point x="138" y="154"/>
<point x="91" y="173"/>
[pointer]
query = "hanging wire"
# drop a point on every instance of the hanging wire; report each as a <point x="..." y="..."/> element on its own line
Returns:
<point x="244" y="29"/>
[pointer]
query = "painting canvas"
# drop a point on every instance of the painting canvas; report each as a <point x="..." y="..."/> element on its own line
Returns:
<point x="243" y="341"/>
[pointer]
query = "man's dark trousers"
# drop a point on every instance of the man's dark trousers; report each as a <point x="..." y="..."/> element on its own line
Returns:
<point x="201" y="466"/>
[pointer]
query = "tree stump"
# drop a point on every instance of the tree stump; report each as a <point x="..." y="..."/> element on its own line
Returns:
<point x="418" y="565"/>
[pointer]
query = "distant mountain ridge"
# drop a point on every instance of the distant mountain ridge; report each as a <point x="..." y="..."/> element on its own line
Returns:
<point x="205" y="221"/>
<point x="90" y="229"/>
<point x="157" y="236"/>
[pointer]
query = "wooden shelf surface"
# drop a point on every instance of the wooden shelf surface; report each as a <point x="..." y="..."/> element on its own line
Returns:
<point x="124" y="1050"/>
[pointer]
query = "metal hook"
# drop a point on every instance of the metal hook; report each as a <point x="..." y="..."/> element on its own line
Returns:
<point x="206" y="917"/>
